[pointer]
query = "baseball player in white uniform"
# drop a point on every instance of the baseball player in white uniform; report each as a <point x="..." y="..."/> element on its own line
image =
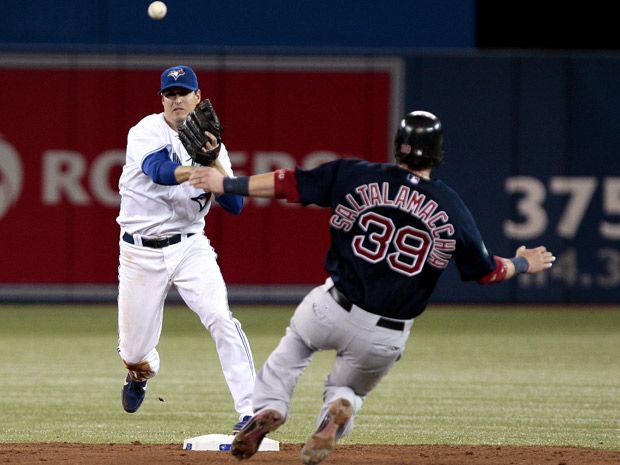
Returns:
<point x="162" y="244"/>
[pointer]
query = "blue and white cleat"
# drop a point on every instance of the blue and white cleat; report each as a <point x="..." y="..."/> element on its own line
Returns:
<point x="133" y="394"/>
<point x="240" y="424"/>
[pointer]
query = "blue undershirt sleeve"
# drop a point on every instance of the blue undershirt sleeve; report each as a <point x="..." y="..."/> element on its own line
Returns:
<point x="231" y="203"/>
<point x="160" y="168"/>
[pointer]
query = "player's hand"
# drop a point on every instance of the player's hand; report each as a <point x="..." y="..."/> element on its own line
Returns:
<point x="538" y="258"/>
<point x="211" y="142"/>
<point x="207" y="179"/>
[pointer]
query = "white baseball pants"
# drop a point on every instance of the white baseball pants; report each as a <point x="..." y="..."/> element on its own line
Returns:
<point x="145" y="277"/>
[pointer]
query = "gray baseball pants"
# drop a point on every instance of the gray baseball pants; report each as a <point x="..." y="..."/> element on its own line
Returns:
<point x="365" y="353"/>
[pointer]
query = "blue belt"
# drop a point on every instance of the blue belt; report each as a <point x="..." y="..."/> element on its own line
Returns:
<point x="346" y="304"/>
<point x="156" y="243"/>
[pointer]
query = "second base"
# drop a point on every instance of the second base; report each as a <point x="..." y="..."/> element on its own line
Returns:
<point x="223" y="443"/>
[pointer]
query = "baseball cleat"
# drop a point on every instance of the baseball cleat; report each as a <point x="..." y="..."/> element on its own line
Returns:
<point x="248" y="440"/>
<point x="323" y="441"/>
<point x="133" y="394"/>
<point x="240" y="424"/>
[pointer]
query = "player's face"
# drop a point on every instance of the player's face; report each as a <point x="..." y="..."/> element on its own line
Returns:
<point x="178" y="102"/>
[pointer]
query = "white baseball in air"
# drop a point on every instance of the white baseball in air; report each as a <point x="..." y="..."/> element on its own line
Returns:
<point x="157" y="10"/>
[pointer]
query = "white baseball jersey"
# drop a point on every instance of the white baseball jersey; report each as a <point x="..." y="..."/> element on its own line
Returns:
<point x="146" y="274"/>
<point x="153" y="210"/>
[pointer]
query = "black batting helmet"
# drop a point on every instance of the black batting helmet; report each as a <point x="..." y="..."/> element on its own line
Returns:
<point x="418" y="141"/>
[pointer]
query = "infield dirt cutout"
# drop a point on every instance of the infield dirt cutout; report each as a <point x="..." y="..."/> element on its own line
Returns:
<point x="173" y="454"/>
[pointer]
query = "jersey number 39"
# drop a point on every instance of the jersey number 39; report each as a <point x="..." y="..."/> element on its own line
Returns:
<point x="411" y="246"/>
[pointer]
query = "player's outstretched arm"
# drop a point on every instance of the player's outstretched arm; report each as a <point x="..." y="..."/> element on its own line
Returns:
<point x="210" y="180"/>
<point x="525" y="261"/>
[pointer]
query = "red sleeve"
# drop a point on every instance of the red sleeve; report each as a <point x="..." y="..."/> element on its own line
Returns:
<point x="497" y="275"/>
<point x="285" y="185"/>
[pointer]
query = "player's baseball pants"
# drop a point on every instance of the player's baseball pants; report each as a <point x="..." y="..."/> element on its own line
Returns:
<point x="146" y="275"/>
<point x="365" y="353"/>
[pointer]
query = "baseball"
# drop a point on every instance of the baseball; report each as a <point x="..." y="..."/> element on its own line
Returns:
<point x="157" y="10"/>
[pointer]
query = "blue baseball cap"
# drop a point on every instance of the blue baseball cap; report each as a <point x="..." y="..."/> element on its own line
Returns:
<point x="179" y="76"/>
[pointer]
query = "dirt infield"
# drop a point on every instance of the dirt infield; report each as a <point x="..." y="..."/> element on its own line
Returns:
<point x="148" y="454"/>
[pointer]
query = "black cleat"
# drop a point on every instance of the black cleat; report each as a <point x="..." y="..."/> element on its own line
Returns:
<point x="323" y="441"/>
<point x="247" y="441"/>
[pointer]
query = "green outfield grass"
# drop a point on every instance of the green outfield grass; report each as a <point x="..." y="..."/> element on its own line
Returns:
<point x="491" y="375"/>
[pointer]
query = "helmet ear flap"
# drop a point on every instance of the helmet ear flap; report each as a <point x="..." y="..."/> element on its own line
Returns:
<point x="418" y="141"/>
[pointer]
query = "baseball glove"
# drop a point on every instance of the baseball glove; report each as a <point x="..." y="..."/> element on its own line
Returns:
<point x="193" y="137"/>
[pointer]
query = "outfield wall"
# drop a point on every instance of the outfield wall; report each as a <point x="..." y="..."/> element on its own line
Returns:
<point x="531" y="145"/>
<point x="125" y="25"/>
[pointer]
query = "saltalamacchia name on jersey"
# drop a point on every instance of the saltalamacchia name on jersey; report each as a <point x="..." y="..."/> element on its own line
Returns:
<point x="407" y="200"/>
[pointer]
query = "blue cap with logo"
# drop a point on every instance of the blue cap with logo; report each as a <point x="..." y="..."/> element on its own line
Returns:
<point x="179" y="76"/>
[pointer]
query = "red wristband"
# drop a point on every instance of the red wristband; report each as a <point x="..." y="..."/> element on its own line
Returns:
<point x="285" y="185"/>
<point x="497" y="275"/>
